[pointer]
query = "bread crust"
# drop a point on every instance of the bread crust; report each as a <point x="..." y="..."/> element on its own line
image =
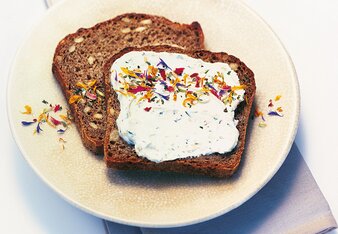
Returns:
<point x="120" y="155"/>
<point x="94" y="140"/>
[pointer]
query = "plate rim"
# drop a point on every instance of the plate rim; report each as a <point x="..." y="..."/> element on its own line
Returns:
<point x="98" y="214"/>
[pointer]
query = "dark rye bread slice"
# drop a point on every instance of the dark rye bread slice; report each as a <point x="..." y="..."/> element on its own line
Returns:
<point x="80" y="57"/>
<point x="118" y="154"/>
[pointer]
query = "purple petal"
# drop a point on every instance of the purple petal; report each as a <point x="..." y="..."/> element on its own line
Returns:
<point x="210" y="86"/>
<point x="275" y="113"/>
<point x="163" y="64"/>
<point x="26" y="123"/>
<point x="221" y="93"/>
<point x="38" y="129"/>
<point x="163" y="96"/>
<point x="61" y="131"/>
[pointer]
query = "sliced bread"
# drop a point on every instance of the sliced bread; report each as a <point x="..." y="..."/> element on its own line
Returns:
<point x="118" y="154"/>
<point x="79" y="59"/>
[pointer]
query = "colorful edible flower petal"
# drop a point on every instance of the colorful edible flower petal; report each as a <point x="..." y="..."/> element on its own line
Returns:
<point x="170" y="89"/>
<point x="194" y="75"/>
<point x="57" y="108"/>
<point x="226" y="87"/>
<point x="61" y="131"/>
<point x="27" y="123"/>
<point x="258" y="113"/>
<point x="91" y="96"/>
<point x="216" y="95"/>
<point x="38" y="128"/>
<point x="262" y="125"/>
<point x="279" y="109"/>
<point x="138" y="89"/>
<point x="278" y="97"/>
<point x="99" y="93"/>
<point x="274" y="113"/>
<point x="235" y="88"/>
<point x="81" y="85"/>
<point x="164" y="65"/>
<point x="28" y="110"/>
<point x="54" y="121"/>
<point x="62" y="140"/>
<point x="74" y="98"/>
<point x="152" y="70"/>
<point x="212" y="87"/>
<point x="92" y="83"/>
<point x="188" y="101"/>
<point x="147" y="109"/>
<point x="270" y="103"/>
<point x="166" y="97"/>
<point x="128" y="72"/>
<point x="179" y="71"/>
<point x="163" y="74"/>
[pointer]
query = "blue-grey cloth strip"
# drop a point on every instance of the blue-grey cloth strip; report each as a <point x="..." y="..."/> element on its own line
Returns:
<point x="290" y="203"/>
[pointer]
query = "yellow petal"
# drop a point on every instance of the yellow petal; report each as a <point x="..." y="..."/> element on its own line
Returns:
<point x="50" y="124"/>
<point x="234" y="88"/>
<point x="185" y="78"/>
<point x="123" y="93"/>
<point x="41" y="117"/>
<point x="81" y="85"/>
<point x="152" y="70"/>
<point x="131" y="94"/>
<point x="28" y="110"/>
<point x="99" y="93"/>
<point x="188" y="100"/>
<point x="193" y="97"/>
<point x="278" y="97"/>
<point x="74" y="99"/>
<point x="262" y="125"/>
<point x="66" y="119"/>
<point x="91" y="83"/>
<point x="128" y="72"/>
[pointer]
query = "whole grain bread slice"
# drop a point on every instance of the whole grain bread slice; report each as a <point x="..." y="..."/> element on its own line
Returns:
<point x="118" y="154"/>
<point x="79" y="59"/>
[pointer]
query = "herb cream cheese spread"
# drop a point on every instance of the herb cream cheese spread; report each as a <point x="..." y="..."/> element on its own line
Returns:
<point x="174" y="106"/>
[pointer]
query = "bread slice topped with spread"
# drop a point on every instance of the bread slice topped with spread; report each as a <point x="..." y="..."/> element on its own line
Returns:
<point x="177" y="110"/>
<point x="79" y="59"/>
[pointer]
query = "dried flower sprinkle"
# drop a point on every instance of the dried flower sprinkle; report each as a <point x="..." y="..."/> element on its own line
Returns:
<point x="270" y="112"/>
<point x="278" y="97"/>
<point x="195" y="87"/>
<point x="45" y="117"/>
<point x="88" y="91"/>
<point x="274" y="113"/>
<point x="262" y="124"/>
<point x="74" y="98"/>
<point x="28" y="110"/>
<point x="27" y="123"/>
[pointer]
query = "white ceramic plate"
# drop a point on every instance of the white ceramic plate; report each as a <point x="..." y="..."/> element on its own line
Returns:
<point x="153" y="199"/>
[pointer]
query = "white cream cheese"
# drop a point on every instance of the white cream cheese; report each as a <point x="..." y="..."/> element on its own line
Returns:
<point x="167" y="113"/>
